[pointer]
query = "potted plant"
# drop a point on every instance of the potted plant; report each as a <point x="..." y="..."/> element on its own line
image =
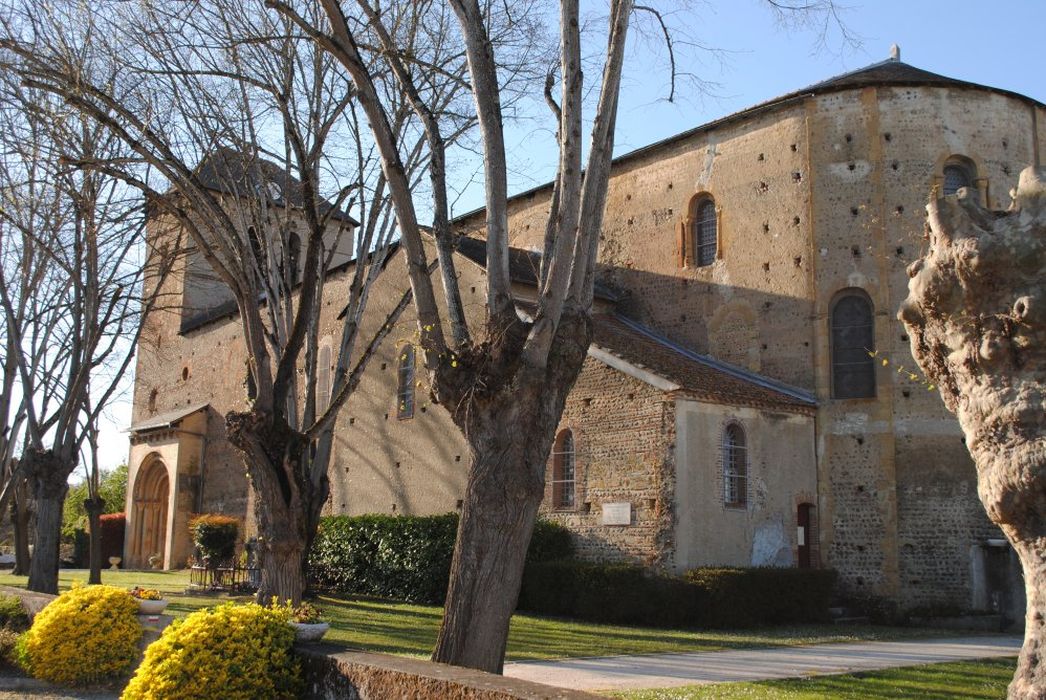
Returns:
<point x="307" y="624"/>
<point x="215" y="538"/>
<point x="150" y="600"/>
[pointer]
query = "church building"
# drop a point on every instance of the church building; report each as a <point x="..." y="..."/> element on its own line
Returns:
<point x="749" y="398"/>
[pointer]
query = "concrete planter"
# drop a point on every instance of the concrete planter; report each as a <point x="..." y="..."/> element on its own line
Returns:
<point x="309" y="632"/>
<point x="151" y="607"/>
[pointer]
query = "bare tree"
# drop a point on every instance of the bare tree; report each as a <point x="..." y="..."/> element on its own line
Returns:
<point x="504" y="384"/>
<point x="70" y="304"/>
<point x="976" y="316"/>
<point x="257" y="126"/>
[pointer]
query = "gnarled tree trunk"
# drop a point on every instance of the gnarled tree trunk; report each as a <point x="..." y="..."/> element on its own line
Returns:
<point x="976" y="314"/>
<point x="510" y="425"/>
<point x="48" y="480"/>
<point x="287" y="504"/>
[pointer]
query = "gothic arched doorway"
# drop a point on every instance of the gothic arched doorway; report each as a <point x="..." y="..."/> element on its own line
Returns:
<point x="151" y="493"/>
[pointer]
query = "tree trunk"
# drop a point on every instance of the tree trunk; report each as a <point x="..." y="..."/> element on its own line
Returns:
<point x="20" y="516"/>
<point x="976" y="315"/>
<point x="49" y="475"/>
<point x="286" y="503"/>
<point x="491" y="545"/>
<point x="510" y="433"/>
<point x="94" y="507"/>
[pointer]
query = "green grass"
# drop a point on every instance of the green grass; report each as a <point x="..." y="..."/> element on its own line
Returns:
<point x="978" y="680"/>
<point x="398" y="628"/>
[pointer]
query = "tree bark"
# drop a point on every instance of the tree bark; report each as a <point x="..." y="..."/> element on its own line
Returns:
<point x="510" y="431"/>
<point x="287" y="504"/>
<point x="976" y="315"/>
<point x="20" y="516"/>
<point x="94" y="507"/>
<point x="49" y="474"/>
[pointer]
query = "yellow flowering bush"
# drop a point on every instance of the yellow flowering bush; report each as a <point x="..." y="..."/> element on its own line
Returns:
<point x="85" y="635"/>
<point x="233" y="652"/>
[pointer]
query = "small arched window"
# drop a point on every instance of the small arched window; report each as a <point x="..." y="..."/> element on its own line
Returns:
<point x="563" y="472"/>
<point x="735" y="466"/>
<point x="705" y="232"/>
<point x="852" y="345"/>
<point x="959" y="172"/>
<point x="405" y="392"/>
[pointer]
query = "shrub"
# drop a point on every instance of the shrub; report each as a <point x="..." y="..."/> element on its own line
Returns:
<point x="403" y="557"/>
<point x="215" y="536"/>
<point x="747" y="597"/>
<point x="12" y="613"/>
<point x="715" y="597"/>
<point x="83" y="636"/>
<point x="234" y="652"/>
<point x="8" y="646"/>
<point x="112" y="526"/>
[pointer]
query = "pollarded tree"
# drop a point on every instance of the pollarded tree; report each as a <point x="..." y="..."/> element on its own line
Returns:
<point x="505" y="384"/>
<point x="976" y="316"/>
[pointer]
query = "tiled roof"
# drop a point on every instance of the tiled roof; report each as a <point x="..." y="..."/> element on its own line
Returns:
<point x="235" y="173"/>
<point x="166" y="420"/>
<point x="696" y="375"/>
<point x="523" y="265"/>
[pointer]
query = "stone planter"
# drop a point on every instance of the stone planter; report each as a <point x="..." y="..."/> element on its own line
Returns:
<point x="151" y="607"/>
<point x="309" y="631"/>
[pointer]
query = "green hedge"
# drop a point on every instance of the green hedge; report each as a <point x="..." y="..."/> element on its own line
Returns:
<point x="403" y="557"/>
<point x="709" y="598"/>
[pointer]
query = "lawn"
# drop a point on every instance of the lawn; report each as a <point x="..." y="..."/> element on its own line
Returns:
<point x="397" y="628"/>
<point x="985" y="679"/>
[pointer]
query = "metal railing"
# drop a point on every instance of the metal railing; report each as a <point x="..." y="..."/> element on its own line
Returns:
<point x="224" y="578"/>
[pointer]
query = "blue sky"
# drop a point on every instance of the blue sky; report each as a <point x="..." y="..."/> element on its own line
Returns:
<point x="997" y="44"/>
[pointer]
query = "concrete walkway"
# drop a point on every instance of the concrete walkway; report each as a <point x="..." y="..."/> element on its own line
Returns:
<point x="670" y="670"/>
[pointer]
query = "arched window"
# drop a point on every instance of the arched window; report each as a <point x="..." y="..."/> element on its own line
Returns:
<point x="852" y="342"/>
<point x="735" y="466"/>
<point x="705" y="232"/>
<point x="563" y="472"/>
<point x="405" y="393"/>
<point x="959" y="172"/>
<point x="323" y="375"/>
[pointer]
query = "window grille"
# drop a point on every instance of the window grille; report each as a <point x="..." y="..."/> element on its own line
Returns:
<point x="735" y="466"/>
<point x="955" y="178"/>
<point x="852" y="341"/>
<point x="323" y="376"/>
<point x="706" y="228"/>
<point x="563" y="472"/>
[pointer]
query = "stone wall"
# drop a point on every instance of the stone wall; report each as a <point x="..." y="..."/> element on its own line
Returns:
<point x="332" y="674"/>
<point x="624" y="433"/>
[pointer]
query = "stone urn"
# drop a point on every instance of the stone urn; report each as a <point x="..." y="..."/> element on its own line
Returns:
<point x="151" y="607"/>
<point x="309" y="631"/>
<point x="114" y="563"/>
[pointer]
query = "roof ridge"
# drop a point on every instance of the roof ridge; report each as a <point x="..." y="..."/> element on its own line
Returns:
<point x="719" y="365"/>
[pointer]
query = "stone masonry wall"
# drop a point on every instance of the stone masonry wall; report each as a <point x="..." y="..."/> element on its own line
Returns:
<point x="624" y="432"/>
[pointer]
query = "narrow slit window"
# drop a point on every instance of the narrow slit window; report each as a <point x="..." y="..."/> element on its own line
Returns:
<point x="563" y="471"/>
<point x="405" y="393"/>
<point x="735" y="467"/>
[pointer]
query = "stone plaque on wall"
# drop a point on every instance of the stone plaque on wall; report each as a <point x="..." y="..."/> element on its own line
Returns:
<point x="617" y="513"/>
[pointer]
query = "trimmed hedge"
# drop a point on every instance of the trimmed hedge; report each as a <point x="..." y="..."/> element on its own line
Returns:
<point x="709" y="598"/>
<point x="403" y="557"/>
<point x="112" y="527"/>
